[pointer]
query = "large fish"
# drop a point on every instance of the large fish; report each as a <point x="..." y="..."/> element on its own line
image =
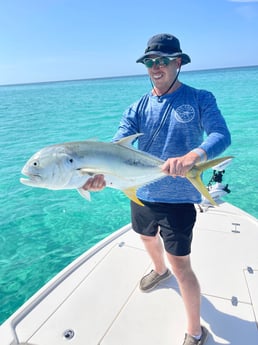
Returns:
<point x="69" y="165"/>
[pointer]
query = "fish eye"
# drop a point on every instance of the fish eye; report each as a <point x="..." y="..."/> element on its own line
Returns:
<point x="35" y="163"/>
<point x="69" y="160"/>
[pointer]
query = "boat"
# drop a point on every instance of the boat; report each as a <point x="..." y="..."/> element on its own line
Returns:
<point x="96" y="299"/>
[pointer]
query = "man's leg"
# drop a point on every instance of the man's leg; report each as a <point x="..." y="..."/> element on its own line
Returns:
<point x="190" y="291"/>
<point x="155" y="249"/>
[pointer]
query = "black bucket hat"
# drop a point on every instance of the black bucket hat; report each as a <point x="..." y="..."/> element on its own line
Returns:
<point x="164" y="45"/>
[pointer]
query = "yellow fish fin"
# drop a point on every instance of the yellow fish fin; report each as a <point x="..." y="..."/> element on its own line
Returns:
<point x="209" y="164"/>
<point x="199" y="185"/>
<point x="131" y="194"/>
<point x="194" y="176"/>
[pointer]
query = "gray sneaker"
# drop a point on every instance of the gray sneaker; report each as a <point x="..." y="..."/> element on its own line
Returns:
<point x="189" y="340"/>
<point x="152" y="279"/>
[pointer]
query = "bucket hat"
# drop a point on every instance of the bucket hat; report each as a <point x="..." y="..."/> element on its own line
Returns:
<point x="164" y="45"/>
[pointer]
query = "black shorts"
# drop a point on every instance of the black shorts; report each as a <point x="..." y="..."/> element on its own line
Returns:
<point x="174" y="221"/>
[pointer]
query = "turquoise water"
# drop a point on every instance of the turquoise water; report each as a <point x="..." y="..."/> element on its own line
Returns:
<point x="41" y="230"/>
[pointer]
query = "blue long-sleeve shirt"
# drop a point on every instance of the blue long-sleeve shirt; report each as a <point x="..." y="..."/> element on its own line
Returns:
<point x="172" y="126"/>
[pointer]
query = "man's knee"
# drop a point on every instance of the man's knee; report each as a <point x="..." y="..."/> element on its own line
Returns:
<point x="148" y="238"/>
<point x="180" y="265"/>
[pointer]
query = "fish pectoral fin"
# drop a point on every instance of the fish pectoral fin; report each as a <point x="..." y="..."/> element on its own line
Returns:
<point x="131" y="194"/>
<point x="84" y="193"/>
<point x="93" y="171"/>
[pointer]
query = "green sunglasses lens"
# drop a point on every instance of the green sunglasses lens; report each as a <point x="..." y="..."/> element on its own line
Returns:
<point x="164" y="61"/>
<point x="160" y="61"/>
<point x="148" y="62"/>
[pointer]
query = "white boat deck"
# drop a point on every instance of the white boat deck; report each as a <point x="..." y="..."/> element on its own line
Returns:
<point x="97" y="296"/>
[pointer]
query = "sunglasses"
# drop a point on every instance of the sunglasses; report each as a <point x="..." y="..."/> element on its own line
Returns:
<point x="159" y="61"/>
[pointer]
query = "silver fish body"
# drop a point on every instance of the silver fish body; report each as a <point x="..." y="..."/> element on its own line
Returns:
<point x="70" y="165"/>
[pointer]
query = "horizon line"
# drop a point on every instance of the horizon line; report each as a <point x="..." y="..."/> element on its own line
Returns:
<point x="119" y="76"/>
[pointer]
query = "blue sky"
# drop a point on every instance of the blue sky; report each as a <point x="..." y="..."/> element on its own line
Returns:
<point x="48" y="40"/>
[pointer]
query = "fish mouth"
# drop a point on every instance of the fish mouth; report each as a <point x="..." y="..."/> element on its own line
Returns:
<point x="31" y="180"/>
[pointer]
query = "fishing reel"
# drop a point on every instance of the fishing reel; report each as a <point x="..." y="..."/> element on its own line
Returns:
<point x="215" y="186"/>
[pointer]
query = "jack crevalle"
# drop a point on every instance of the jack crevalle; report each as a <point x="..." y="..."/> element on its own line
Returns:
<point x="69" y="165"/>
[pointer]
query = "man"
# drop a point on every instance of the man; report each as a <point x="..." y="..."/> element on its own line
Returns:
<point x="173" y="118"/>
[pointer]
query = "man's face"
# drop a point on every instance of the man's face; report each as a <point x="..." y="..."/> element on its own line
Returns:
<point x="162" y="74"/>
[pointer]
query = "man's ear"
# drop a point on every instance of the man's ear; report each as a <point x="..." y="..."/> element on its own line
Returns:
<point x="179" y="62"/>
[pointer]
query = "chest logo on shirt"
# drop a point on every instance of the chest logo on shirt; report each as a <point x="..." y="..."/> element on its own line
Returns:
<point x="185" y="113"/>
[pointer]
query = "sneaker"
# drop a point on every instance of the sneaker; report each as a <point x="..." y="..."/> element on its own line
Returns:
<point x="189" y="340"/>
<point x="152" y="279"/>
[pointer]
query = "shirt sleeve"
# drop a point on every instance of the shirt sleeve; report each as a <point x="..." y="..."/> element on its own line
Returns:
<point x="218" y="136"/>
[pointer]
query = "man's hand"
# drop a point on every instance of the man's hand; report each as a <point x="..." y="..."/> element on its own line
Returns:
<point x="179" y="166"/>
<point x="95" y="183"/>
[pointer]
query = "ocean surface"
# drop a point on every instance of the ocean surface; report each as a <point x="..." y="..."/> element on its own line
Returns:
<point x="41" y="231"/>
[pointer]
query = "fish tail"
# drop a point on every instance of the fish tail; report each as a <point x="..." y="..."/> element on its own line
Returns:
<point x="131" y="194"/>
<point x="194" y="176"/>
